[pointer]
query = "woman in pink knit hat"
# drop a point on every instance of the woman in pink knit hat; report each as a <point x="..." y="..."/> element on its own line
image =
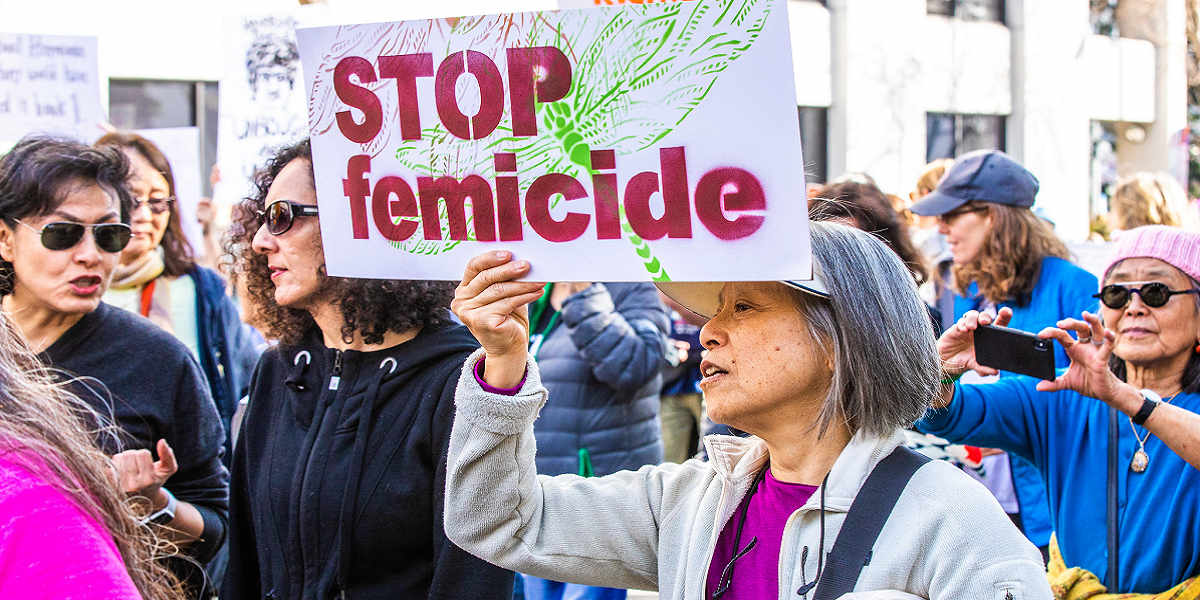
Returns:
<point x="1117" y="435"/>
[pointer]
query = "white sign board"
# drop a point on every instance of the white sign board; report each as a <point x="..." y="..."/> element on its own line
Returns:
<point x="262" y="100"/>
<point x="48" y="84"/>
<point x="593" y="3"/>
<point x="181" y="146"/>
<point x="655" y="142"/>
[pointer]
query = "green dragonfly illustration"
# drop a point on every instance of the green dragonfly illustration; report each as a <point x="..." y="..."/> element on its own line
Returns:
<point x="638" y="73"/>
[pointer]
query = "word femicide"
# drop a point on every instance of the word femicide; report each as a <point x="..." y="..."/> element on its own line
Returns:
<point x="535" y="75"/>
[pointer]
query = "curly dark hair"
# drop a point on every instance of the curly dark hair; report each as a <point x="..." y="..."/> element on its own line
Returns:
<point x="369" y="307"/>
<point x="870" y="210"/>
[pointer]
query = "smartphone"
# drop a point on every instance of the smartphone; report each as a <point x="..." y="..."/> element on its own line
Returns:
<point x="1014" y="350"/>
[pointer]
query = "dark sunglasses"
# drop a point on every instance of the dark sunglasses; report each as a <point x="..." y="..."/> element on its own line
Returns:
<point x="279" y="215"/>
<point x="157" y="206"/>
<point x="1154" y="294"/>
<point x="110" y="237"/>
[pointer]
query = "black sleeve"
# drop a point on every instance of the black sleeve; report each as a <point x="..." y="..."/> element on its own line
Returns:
<point x="196" y="435"/>
<point x="456" y="573"/>
<point x="242" y="577"/>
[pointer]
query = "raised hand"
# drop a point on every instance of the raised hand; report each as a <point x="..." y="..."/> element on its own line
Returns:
<point x="956" y="347"/>
<point x="1088" y="373"/>
<point x="492" y="304"/>
<point x="139" y="474"/>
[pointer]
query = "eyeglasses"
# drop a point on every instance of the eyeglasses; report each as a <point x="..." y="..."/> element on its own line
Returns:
<point x="280" y="214"/>
<point x="157" y="206"/>
<point x="1154" y="294"/>
<point x="949" y="217"/>
<point x="110" y="237"/>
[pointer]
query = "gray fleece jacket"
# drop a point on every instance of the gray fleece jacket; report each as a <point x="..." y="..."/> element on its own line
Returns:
<point x="655" y="528"/>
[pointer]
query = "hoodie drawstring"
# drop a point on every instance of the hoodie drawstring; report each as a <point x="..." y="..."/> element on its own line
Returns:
<point x="366" y="414"/>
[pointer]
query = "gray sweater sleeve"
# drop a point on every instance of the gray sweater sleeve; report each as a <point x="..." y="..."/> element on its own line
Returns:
<point x="593" y="531"/>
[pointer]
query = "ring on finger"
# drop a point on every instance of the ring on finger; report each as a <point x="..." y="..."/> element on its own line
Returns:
<point x="1085" y="340"/>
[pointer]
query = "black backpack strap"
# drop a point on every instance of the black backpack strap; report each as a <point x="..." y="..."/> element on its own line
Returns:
<point x="870" y="510"/>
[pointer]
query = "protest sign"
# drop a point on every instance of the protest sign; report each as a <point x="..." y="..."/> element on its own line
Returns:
<point x="591" y="3"/>
<point x="181" y="146"/>
<point x="609" y="144"/>
<point x="48" y="84"/>
<point x="262" y="99"/>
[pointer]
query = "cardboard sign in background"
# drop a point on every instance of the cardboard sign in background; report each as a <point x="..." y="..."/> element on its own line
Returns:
<point x="48" y="84"/>
<point x="676" y="138"/>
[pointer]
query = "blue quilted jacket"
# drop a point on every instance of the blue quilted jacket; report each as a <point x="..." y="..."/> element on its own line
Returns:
<point x="601" y="366"/>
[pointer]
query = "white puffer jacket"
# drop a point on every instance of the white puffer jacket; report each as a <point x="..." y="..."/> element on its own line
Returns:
<point x="655" y="528"/>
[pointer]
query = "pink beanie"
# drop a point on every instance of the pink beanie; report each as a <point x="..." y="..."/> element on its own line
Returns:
<point x="1172" y="245"/>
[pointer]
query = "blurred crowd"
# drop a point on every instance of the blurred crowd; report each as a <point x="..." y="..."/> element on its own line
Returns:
<point x="248" y="426"/>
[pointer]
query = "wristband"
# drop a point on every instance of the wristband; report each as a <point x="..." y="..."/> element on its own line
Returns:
<point x="1150" y="401"/>
<point x="165" y="514"/>
<point x="950" y="379"/>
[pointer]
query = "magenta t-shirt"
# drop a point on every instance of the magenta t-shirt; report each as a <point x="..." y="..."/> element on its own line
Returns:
<point x="756" y="575"/>
<point x="50" y="548"/>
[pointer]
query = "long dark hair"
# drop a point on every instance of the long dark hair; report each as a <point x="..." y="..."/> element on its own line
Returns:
<point x="871" y="211"/>
<point x="369" y="307"/>
<point x="36" y="174"/>
<point x="178" y="255"/>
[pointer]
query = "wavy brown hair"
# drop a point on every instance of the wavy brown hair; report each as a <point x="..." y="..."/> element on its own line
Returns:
<point x="369" y="307"/>
<point x="45" y="429"/>
<point x="870" y="210"/>
<point x="178" y="256"/>
<point x="1010" y="261"/>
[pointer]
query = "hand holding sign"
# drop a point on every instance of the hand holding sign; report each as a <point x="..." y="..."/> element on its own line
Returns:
<point x="491" y="303"/>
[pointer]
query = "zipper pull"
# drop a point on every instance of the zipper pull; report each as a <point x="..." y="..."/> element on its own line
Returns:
<point x="336" y="379"/>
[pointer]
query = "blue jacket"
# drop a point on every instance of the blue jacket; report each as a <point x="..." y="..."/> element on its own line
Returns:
<point x="601" y="367"/>
<point x="1062" y="290"/>
<point x="1065" y="435"/>
<point x="228" y="348"/>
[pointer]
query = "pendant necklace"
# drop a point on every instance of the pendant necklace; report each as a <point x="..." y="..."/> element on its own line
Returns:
<point x="1141" y="460"/>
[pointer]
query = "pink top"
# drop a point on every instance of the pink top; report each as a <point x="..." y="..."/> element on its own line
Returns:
<point x="49" y="547"/>
<point x="756" y="574"/>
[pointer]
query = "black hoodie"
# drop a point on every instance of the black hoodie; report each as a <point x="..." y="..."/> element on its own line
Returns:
<point x="325" y="500"/>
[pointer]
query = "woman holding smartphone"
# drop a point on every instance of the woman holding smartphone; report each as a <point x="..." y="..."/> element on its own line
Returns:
<point x="1121" y="423"/>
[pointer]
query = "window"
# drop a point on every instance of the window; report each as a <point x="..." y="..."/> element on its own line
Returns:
<point x="149" y="104"/>
<point x="948" y="135"/>
<point x="970" y="10"/>
<point x="814" y="136"/>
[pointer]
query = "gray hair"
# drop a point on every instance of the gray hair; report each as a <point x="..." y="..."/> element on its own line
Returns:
<point x="886" y="369"/>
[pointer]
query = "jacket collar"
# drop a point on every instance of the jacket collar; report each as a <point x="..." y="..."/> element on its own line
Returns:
<point x="738" y="459"/>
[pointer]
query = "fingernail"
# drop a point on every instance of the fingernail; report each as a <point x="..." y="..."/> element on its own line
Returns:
<point x="501" y="254"/>
<point x="522" y="265"/>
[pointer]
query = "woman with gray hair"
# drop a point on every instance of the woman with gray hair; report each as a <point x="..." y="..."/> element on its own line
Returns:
<point x="793" y="511"/>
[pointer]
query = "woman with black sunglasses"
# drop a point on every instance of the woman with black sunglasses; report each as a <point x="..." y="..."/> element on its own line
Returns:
<point x="1121" y="423"/>
<point x="65" y="209"/>
<point x="339" y="469"/>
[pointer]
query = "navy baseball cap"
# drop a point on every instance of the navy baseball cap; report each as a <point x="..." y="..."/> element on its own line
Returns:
<point x="980" y="176"/>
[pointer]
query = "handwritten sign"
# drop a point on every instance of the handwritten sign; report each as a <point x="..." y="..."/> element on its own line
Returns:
<point x="262" y="99"/>
<point x="48" y="84"/>
<point x="655" y="142"/>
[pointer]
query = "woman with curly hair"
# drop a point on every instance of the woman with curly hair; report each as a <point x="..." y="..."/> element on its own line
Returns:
<point x="1006" y="257"/>
<point x="339" y="470"/>
<point x="56" y="485"/>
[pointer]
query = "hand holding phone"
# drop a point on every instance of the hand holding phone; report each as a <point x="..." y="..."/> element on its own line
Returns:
<point x="1014" y="350"/>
